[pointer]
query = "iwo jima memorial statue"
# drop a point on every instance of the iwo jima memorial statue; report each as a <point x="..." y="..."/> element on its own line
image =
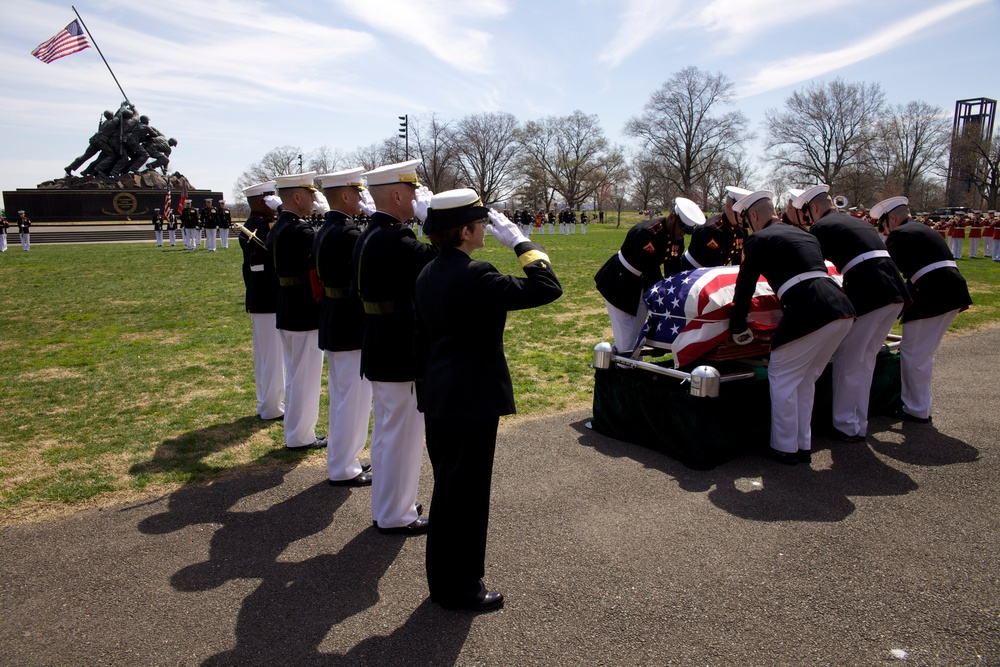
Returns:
<point x="126" y="178"/>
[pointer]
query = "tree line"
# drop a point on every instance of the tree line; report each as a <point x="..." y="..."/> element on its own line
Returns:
<point x="691" y="142"/>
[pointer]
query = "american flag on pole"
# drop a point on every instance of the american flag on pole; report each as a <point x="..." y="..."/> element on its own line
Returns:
<point x="67" y="41"/>
<point x="689" y="311"/>
<point x="184" y="196"/>
<point x="166" y="201"/>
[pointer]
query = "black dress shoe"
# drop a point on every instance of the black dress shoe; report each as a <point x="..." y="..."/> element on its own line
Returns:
<point x="906" y="416"/>
<point x="279" y="418"/>
<point x="489" y="601"/>
<point x="804" y="456"/>
<point x="843" y="437"/>
<point x="788" y="458"/>
<point x="366" y="467"/>
<point x="363" y="479"/>
<point x="319" y="444"/>
<point x="418" y="527"/>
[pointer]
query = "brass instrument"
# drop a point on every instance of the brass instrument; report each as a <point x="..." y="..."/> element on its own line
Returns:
<point x="841" y="202"/>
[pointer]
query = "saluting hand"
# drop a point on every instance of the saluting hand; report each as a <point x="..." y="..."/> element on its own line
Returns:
<point x="504" y="230"/>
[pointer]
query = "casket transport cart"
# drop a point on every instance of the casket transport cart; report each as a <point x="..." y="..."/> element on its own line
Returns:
<point x="709" y="402"/>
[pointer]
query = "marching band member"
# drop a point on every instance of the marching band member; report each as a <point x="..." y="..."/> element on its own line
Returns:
<point x="387" y="259"/>
<point x="261" y="303"/>
<point x="939" y="293"/>
<point x="816" y="316"/>
<point x="341" y="325"/>
<point x="290" y="243"/>
<point x="872" y="282"/>
<point x="651" y="249"/>
<point x="461" y="307"/>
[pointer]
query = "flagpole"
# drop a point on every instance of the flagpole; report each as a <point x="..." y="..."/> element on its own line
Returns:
<point x="99" y="52"/>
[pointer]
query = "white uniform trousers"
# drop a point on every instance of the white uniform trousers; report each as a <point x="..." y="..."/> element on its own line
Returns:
<point x="26" y="241"/>
<point x="173" y="236"/>
<point x="552" y="229"/>
<point x="303" y="379"/>
<point x="210" y="238"/>
<point x="3" y="243"/>
<point x="956" y="247"/>
<point x="224" y="237"/>
<point x="583" y="228"/>
<point x="268" y="366"/>
<point x="916" y="360"/>
<point x="792" y="374"/>
<point x="186" y="237"/>
<point x="625" y="327"/>
<point x="973" y="248"/>
<point x="159" y="238"/>
<point x="996" y="250"/>
<point x="854" y="367"/>
<point x="350" y="409"/>
<point x="396" y="450"/>
<point x="987" y="246"/>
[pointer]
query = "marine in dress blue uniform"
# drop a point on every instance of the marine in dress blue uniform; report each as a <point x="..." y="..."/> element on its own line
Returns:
<point x="719" y="242"/>
<point x="939" y="293"/>
<point x="465" y="385"/>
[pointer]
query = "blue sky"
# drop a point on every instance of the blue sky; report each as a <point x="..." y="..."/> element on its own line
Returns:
<point x="231" y="80"/>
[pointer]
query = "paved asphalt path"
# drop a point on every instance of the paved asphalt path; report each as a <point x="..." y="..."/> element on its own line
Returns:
<point x="609" y="554"/>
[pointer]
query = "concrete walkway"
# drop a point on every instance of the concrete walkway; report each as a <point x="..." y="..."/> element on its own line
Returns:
<point x="609" y="554"/>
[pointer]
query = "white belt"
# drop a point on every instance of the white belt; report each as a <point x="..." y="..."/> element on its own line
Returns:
<point x="802" y="277"/>
<point x="691" y="260"/>
<point x="631" y="269"/>
<point x="871" y="254"/>
<point x="256" y="267"/>
<point x="930" y="267"/>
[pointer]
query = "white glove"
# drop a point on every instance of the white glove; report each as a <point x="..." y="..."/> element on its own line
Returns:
<point x="320" y="204"/>
<point x="367" y="203"/>
<point x="273" y="202"/>
<point x="422" y="203"/>
<point x="744" y="338"/>
<point x="504" y="230"/>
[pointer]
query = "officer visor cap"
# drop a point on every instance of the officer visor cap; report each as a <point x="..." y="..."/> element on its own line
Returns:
<point x="736" y="193"/>
<point x="751" y="199"/>
<point x="689" y="212"/>
<point x="389" y="174"/>
<point x="809" y="194"/>
<point x="793" y="193"/>
<point x="340" y="179"/>
<point x="454" y="208"/>
<point x="304" y="180"/>
<point x="260" y="189"/>
<point x="886" y="205"/>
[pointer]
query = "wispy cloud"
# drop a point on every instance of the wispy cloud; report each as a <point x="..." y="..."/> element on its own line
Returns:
<point x="439" y="26"/>
<point x="790" y="71"/>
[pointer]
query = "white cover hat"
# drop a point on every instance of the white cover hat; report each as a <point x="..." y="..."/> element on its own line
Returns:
<point x="340" y="179"/>
<point x="401" y="172"/>
<point x="886" y="205"/>
<point x="736" y="193"/>
<point x="259" y="189"/>
<point x="809" y="194"/>
<point x="751" y="199"/>
<point x="304" y="180"/>
<point x="689" y="212"/>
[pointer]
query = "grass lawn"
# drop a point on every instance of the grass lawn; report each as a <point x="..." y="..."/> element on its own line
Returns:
<point x="128" y="369"/>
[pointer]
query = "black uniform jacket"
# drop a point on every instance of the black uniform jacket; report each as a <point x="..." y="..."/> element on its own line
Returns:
<point x="387" y="260"/>
<point x="871" y="284"/>
<point x="780" y="252"/>
<point x="209" y="217"/>
<point x="258" y="269"/>
<point x="648" y="248"/>
<point x="716" y="243"/>
<point x="341" y="315"/>
<point x="189" y="218"/>
<point x="462" y="307"/>
<point x="225" y="218"/>
<point x="157" y="223"/>
<point x="913" y="246"/>
<point x="290" y="244"/>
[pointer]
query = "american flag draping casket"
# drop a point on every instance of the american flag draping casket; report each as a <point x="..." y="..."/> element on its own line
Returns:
<point x="689" y="311"/>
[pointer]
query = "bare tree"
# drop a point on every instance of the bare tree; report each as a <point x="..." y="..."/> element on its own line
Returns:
<point x="436" y="148"/>
<point x="378" y="153"/>
<point x="278" y="161"/>
<point x="982" y="167"/>
<point x="486" y="147"/>
<point x="736" y="169"/>
<point x="910" y="141"/>
<point x="823" y="129"/>
<point x="571" y="151"/>
<point x="644" y="181"/>
<point x="325" y="160"/>
<point x="681" y="130"/>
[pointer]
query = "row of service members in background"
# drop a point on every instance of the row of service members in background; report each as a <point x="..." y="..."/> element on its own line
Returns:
<point x="979" y="230"/>
<point x="216" y="222"/>
<point x="534" y="223"/>
<point x="350" y="295"/>
<point x="821" y="321"/>
<point x="23" y="223"/>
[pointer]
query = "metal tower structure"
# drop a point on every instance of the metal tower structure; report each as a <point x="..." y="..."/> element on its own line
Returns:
<point x="971" y="137"/>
